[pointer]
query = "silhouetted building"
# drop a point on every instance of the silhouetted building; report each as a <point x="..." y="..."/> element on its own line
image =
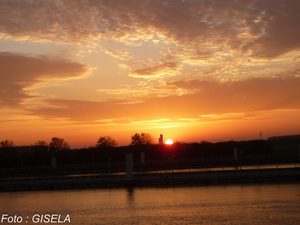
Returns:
<point x="161" y="140"/>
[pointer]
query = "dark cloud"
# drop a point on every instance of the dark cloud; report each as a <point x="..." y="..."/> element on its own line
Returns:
<point x="20" y="71"/>
<point x="163" y="68"/>
<point x="278" y="23"/>
<point x="264" y="28"/>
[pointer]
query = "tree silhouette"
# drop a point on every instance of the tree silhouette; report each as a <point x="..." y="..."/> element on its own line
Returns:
<point x="41" y="143"/>
<point x="106" y="142"/>
<point x="7" y="150"/>
<point x="7" y="144"/>
<point x="141" y="139"/>
<point x="58" y="144"/>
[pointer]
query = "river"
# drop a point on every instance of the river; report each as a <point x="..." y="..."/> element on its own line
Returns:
<point x="214" y="204"/>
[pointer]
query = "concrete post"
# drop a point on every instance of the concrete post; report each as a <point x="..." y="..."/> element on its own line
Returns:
<point x="235" y="154"/>
<point x="53" y="162"/>
<point x="143" y="158"/>
<point x="129" y="166"/>
<point x="299" y="152"/>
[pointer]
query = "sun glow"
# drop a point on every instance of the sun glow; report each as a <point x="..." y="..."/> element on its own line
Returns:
<point x="169" y="142"/>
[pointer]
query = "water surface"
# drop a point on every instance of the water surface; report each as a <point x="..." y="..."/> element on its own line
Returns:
<point x="228" y="204"/>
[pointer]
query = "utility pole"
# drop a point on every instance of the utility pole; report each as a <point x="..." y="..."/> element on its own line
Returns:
<point x="260" y="133"/>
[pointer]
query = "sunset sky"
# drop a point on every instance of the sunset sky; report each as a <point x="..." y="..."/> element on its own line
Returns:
<point x="191" y="70"/>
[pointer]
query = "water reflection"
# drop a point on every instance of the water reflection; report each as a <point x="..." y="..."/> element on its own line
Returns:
<point x="130" y="191"/>
<point x="228" y="204"/>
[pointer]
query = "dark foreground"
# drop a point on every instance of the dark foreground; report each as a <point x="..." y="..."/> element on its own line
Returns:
<point x="159" y="177"/>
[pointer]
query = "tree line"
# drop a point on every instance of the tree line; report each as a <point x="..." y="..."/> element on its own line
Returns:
<point x="40" y="153"/>
<point x="106" y="150"/>
<point x="58" y="144"/>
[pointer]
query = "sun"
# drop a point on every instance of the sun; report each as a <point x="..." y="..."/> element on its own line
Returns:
<point x="169" y="142"/>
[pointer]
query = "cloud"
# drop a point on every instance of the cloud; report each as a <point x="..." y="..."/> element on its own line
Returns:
<point x="140" y="91"/>
<point x="227" y="100"/>
<point x="19" y="72"/>
<point x="225" y="116"/>
<point x="264" y="29"/>
<point x="254" y="94"/>
<point x="191" y="54"/>
<point x="278" y="26"/>
<point x="165" y="68"/>
<point x="191" y="85"/>
<point x="119" y="54"/>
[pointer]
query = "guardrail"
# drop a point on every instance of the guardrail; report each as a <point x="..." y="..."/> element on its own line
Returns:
<point x="203" y="160"/>
<point x="144" y="171"/>
<point x="167" y="178"/>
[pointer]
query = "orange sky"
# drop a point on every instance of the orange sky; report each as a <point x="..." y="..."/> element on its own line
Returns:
<point x="191" y="70"/>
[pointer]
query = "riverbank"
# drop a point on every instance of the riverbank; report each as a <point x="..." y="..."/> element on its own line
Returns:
<point x="187" y="176"/>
